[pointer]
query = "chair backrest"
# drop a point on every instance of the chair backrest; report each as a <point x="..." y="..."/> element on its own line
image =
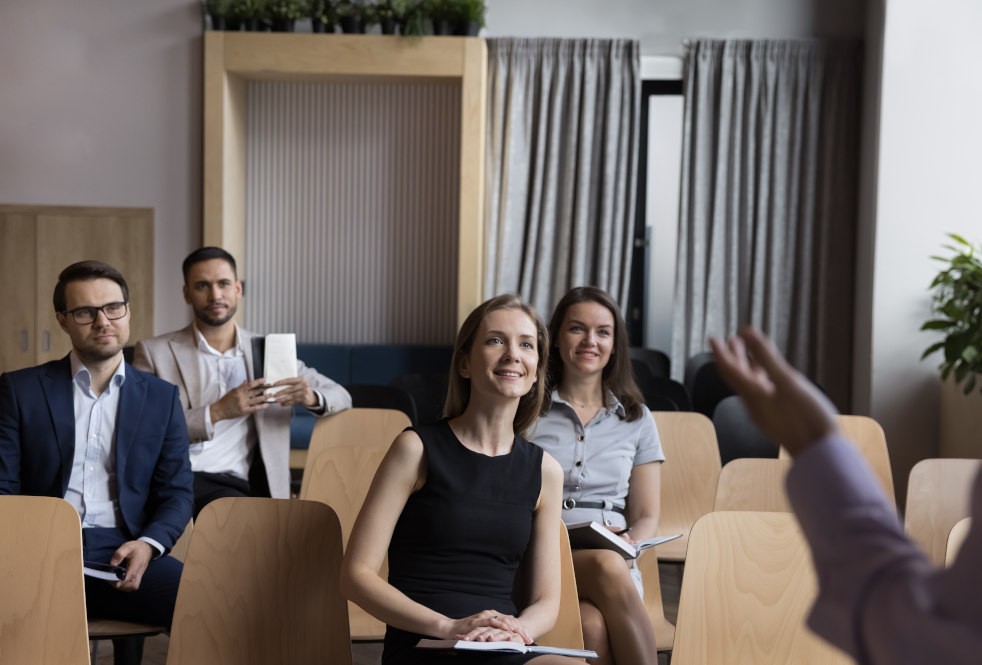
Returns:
<point x="939" y="494"/>
<point x="369" y="428"/>
<point x="340" y="477"/>
<point x="869" y="438"/>
<point x="737" y="434"/>
<point x="261" y="585"/>
<point x="688" y="476"/>
<point x="705" y="386"/>
<point x="657" y="361"/>
<point x="428" y="390"/>
<point x="375" y="396"/>
<point x="653" y="601"/>
<point x="568" y="631"/>
<point x="746" y="590"/>
<point x="660" y="393"/>
<point x="956" y="538"/>
<point x="753" y="484"/>
<point x="42" y="611"/>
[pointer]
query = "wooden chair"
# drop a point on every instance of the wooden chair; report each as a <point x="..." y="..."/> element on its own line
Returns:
<point x="653" y="602"/>
<point x="261" y="585"/>
<point x="956" y="539"/>
<point x="938" y="496"/>
<point x="688" y="477"/>
<point x="747" y="588"/>
<point x="340" y="477"/>
<point x="42" y="613"/>
<point x="568" y="631"/>
<point x="753" y="484"/>
<point x="868" y="436"/>
<point x="371" y="427"/>
<point x="111" y="629"/>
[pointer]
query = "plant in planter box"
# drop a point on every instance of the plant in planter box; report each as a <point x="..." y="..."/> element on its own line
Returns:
<point x="322" y="16"/>
<point x="382" y="13"/>
<point x="350" y="16"/>
<point x="283" y="14"/>
<point x="218" y="10"/>
<point x="410" y="15"/>
<point x="957" y="304"/>
<point x="442" y="13"/>
<point x="250" y="13"/>
<point x="469" y="16"/>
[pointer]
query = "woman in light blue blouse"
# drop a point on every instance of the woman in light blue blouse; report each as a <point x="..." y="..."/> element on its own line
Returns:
<point x="595" y="423"/>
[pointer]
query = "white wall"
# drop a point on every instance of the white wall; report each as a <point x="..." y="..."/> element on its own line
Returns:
<point x="100" y="104"/>
<point x="929" y="175"/>
<point x="661" y="26"/>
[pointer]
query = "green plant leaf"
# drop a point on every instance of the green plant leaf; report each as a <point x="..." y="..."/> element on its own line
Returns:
<point x="931" y="349"/>
<point x="938" y="324"/>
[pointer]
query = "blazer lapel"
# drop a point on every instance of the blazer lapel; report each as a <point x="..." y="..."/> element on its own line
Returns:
<point x="57" y="387"/>
<point x="184" y="346"/>
<point x="132" y="400"/>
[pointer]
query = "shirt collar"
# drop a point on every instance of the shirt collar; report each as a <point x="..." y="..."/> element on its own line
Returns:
<point x="611" y="403"/>
<point x="82" y="376"/>
<point x="205" y="347"/>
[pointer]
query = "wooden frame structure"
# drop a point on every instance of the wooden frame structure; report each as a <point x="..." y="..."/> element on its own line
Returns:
<point x="233" y="59"/>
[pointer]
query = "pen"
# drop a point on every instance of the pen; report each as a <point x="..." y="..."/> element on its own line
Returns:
<point x="622" y="531"/>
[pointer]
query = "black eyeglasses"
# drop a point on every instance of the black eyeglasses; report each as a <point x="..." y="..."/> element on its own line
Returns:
<point x="86" y="315"/>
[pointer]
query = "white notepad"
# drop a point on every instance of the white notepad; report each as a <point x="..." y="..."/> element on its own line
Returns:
<point x="281" y="359"/>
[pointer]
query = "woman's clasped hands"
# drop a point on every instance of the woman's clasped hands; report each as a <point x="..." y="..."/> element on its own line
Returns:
<point x="489" y="626"/>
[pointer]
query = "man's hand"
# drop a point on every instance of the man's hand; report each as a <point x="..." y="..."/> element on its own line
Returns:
<point x="783" y="403"/>
<point x="295" y="390"/>
<point x="135" y="555"/>
<point x="249" y="397"/>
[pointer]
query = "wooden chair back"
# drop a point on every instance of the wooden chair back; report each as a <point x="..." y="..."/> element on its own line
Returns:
<point x="939" y="494"/>
<point x="653" y="602"/>
<point x="367" y="428"/>
<point x="753" y="483"/>
<point x="956" y="539"/>
<point x="42" y="611"/>
<point x="746" y="591"/>
<point x="688" y="476"/>
<point x="869" y="438"/>
<point x="340" y="477"/>
<point x="568" y="631"/>
<point x="261" y="585"/>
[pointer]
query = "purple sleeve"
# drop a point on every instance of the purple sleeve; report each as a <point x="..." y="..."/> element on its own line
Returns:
<point x="878" y="594"/>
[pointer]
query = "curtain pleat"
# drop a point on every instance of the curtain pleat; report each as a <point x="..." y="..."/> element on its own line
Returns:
<point x="768" y="203"/>
<point x="562" y="166"/>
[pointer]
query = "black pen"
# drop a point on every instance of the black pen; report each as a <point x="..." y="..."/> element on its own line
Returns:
<point x="622" y="531"/>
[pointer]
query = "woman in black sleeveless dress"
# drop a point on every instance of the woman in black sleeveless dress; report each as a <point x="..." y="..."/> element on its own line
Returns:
<point x="459" y="505"/>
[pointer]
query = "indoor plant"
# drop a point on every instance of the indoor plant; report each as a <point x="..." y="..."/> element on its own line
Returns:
<point x="322" y="16"/>
<point x="957" y="305"/>
<point x="468" y="16"/>
<point x="350" y="16"/>
<point x="283" y="14"/>
<point x="218" y="10"/>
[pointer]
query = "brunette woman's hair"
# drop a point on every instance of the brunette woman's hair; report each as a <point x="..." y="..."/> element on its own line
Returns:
<point x="618" y="377"/>
<point x="459" y="388"/>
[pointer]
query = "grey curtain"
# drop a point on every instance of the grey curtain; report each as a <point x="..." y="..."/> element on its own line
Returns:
<point x="562" y="166"/>
<point x="768" y="204"/>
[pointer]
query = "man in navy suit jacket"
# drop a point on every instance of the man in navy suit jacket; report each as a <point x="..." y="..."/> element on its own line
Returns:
<point x="109" y="439"/>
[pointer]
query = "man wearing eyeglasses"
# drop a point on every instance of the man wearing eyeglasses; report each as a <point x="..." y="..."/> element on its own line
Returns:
<point x="109" y="439"/>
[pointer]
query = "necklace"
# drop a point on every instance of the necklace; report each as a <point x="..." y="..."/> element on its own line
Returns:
<point x="593" y="404"/>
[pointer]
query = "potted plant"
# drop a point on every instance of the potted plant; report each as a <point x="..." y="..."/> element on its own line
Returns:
<point x="283" y="14"/>
<point x="957" y="308"/>
<point x="250" y="13"/>
<point x="469" y="16"/>
<point x="410" y="17"/>
<point x="322" y="16"/>
<point x="384" y="14"/>
<point x="218" y="10"/>
<point x="442" y="13"/>
<point x="350" y="14"/>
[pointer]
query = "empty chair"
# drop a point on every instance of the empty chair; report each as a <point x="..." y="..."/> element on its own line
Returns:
<point x="746" y="591"/>
<point x="656" y="361"/>
<point x="340" y="476"/>
<point x="261" y="585"/>
<point x="705" y="386"/>
<point x="956" y="538"/>
<point x="688" y="476"/>
<point x="938" y="496"/>
<point x="660" y="393"/>
<point x="429" y="392"/>
<point x="868" y="437"/>
<point x="737" y="434"/>
<point x="355" y="426"/>
<point x="42" y="613"/>
<point x="375" y="396"/>
<point x="753" y="484"/>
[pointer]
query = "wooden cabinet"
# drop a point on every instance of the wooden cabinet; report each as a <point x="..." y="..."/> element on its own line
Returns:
<point x="37" y="243"/>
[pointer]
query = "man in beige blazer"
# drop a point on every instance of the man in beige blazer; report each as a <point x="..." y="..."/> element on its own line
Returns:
<point x="240" y="436"/>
